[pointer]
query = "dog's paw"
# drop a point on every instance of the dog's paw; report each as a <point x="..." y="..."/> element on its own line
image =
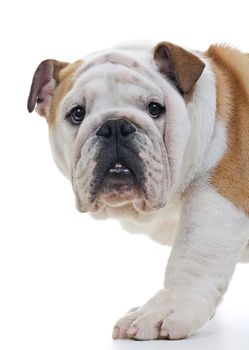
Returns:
<point x="163" y="317"/>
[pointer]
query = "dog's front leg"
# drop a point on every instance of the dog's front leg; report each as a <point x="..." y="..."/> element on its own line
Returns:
<point x="211" y="237"/>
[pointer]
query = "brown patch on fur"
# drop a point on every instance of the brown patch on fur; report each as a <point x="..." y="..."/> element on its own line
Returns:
<point x="231" y="175"/>
<point x="65" y="79"/>
<point x="179" y="65"/>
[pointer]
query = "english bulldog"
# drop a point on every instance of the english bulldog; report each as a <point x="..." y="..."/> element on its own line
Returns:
<point x="157" y="136"/>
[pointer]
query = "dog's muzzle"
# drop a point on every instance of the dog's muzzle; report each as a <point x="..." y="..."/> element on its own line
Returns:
<point x="118" y="174"/>
<point x="118" y="164"/>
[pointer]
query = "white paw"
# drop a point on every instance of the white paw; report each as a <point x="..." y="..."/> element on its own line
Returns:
<point x="164" y="317"/>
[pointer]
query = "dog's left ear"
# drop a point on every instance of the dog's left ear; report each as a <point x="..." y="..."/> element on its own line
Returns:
<point x="45" y="80"/>
<point x="181" y="66"/>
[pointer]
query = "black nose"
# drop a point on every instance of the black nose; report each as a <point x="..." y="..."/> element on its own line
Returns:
<point x="116" y="128"/>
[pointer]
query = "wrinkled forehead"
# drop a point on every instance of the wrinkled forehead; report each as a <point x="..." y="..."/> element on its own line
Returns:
<point x="115" y="67"/>
<point x="136" y="61"/>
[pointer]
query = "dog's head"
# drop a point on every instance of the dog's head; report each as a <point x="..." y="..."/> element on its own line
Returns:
<point x="118" y="122"/>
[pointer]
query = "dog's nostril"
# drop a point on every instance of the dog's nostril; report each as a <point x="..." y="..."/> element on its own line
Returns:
<point x="105" y="130"/>
<point x="126" y="128"/>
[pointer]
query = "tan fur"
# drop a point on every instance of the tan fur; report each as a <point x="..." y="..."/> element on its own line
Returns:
<point x="66" y="80"/>
<point x="231" y="176"/>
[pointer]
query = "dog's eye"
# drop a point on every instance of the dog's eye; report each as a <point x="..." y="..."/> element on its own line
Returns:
<point x="76" y="115"/>
<point x="155" y="109"/>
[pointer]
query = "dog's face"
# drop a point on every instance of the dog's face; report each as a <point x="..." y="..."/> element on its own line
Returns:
<point x="118" y="122"/>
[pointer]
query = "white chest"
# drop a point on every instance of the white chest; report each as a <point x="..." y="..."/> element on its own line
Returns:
<point x="160" y="226"/>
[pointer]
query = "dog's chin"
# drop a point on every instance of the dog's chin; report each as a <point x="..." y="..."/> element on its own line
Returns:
<point x="117" y="198"/>
<point x="118" y="189"/>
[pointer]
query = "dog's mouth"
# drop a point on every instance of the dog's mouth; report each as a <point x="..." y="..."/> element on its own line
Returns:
<point x="119" y="169"/>
<point x="119" y="184"/>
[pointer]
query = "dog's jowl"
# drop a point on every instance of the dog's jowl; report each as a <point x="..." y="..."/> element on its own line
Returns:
<point x="157" y="136"/>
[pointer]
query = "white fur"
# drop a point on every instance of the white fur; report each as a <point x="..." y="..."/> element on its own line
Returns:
<point x="199" y="269"/>
<point x="202" y="114"/>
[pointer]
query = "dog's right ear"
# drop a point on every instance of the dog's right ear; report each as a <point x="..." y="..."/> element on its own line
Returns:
<point x="45" y="80"/>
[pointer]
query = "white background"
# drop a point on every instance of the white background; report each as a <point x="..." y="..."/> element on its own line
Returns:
<point x="65" y="278"/>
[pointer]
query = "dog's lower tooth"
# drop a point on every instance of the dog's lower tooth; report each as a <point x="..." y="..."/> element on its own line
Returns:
<point x="118" y="165"/>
